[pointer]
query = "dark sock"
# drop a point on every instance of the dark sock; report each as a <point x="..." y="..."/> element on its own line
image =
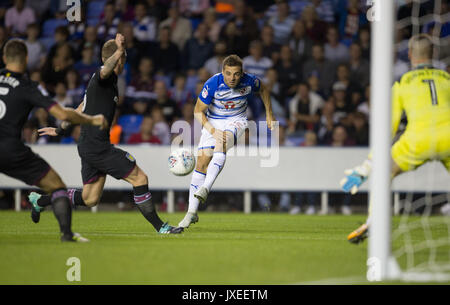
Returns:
<point x="44" y="201"/>
<point x="63" y="211"/>
<point x="143" y="200"/>
<point x="75" y="197"/>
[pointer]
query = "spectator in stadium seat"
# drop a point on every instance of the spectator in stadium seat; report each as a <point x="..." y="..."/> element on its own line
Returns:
<point x="61" y="96"/>
<point x="61" y="37"/>
<point x="197" y="49"/>
<point x="328" y="119"/>
<point x="342" y="105"/>
<point x="314" y="85"/>
<point x="324" y="10"/>
<point x="273" y="86"/>
<point x="36" y="50"/>
<point x="40" y="8"/>
<point x="364" y="42"/>
<point x="56" y="67"/>
<point x="304" y="109"/>
<point x="107" y="27"/>
<point x="178" y="92"/>
<point x="88" y="64"/>
<point x="340" y="137"/>
<point x="300" y="44"/>
<point x="271" y="49"/>
<point x="141" y="86"/>
<point x="145" y="27"/>
<point x="157" y="9"/>
<point x="145" y="135"/>
<point x="255" y="63"/>
<point x="18" y="17"/>
<point x="321" y="67"/>
<point x="181" y="28"/>
<point x="167" y="54"/>
<point x="352" y="88"/>
<point x="289" y="73"/>
<point x="359" y="67"/>
<point x="245" y="21"/>
<point x="314" y="28"/>
<point x="364" y="107"/>
<point x="214" y="64"/>
<point x="125" y="10"/>
<point x="75" y="89"/>
<point x="89" y="38"/>
<point x="236" y="42"/>
<point x="359" y="131"/>
<point x="160" y="128"/>
<point x="133" y="47"/>
<point x="212" y="24"/>
<point x="193" y="9"/>
<point x="168" y="106"/>
<point x="335" y="51"/>
<point x="282" y="22"/>
<point x="351" y="19"/>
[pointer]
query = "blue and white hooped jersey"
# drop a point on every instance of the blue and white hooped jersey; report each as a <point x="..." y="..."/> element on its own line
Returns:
<point x="225" y="102"/>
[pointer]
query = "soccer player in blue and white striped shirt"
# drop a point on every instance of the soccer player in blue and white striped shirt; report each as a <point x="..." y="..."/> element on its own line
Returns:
<point x="221" y="108"/>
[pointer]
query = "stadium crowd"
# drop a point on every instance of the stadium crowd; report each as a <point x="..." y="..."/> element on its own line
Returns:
<point x="313" y="55"/>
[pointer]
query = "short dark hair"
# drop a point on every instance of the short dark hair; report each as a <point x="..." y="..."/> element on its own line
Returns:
<point x="232" y="61"/>
<point x="63" y="30"/>
<point x="15" y="50"/>
<point x="108" y="49"/>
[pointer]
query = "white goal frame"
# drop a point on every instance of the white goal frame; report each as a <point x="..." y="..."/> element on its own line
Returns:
<point x="381" y="264"/>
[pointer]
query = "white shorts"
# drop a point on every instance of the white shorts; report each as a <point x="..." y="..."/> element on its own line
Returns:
<point x="236" y="126"/>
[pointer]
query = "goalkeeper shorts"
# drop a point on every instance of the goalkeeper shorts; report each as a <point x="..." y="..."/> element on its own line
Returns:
<point x="415" y="148"/>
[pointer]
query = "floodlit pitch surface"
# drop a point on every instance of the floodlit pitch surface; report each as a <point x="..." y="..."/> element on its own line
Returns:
<point x="223" y="248"/>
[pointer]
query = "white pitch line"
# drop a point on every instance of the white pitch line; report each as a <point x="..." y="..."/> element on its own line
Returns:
<point x="336" y="281"/>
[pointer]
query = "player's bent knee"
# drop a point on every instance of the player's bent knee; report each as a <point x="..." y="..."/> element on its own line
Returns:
<point x="91" y="201"/>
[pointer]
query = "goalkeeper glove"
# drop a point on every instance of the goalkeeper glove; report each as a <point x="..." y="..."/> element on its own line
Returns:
<point x="355" y="177"/>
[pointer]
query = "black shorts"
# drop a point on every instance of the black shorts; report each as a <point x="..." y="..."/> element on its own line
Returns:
<point x="18" y="161"/>
<point x="112" y="161"/>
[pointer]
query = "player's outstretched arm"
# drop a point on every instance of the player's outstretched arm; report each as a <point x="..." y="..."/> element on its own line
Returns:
<point x="355" y="177"/>
<point x="110" y="63"/>
<point x="265" y="96"/>
<point x="72" y="116"/>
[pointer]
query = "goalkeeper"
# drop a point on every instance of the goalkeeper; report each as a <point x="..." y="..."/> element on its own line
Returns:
<point x="424" y="95"/>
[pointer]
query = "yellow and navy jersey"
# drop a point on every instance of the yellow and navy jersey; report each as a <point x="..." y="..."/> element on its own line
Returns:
<point x="424" y="95"/>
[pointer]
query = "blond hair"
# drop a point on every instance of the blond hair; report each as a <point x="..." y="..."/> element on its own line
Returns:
<point x="421" y="46"/>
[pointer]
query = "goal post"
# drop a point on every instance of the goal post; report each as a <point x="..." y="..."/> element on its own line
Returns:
<point x="382" y="49"/>
<point x="415" y="246"/>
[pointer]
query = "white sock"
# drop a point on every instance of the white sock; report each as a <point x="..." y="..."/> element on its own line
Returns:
<point x="214" y="168"/>
<point x="197" y="181"/>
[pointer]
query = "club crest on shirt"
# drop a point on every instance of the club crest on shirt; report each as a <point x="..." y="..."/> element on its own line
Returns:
<point x="130" y="157"/>
<point x="116" y="99"/>
<point x="205" y="93"/>
<point x="245" y="90"/>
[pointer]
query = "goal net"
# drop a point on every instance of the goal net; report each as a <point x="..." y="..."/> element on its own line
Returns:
<point x="415" y="246"/>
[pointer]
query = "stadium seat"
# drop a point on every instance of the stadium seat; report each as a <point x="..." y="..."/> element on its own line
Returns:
<point x="49" y="27"/>
<point x="94" y="10"/>
<point x="130" y="124"/>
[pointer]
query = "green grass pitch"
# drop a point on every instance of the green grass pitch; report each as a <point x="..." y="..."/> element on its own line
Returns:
<point x="223" y="248"/>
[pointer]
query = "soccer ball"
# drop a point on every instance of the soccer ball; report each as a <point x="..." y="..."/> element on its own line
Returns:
<point x="181" y="162"/>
